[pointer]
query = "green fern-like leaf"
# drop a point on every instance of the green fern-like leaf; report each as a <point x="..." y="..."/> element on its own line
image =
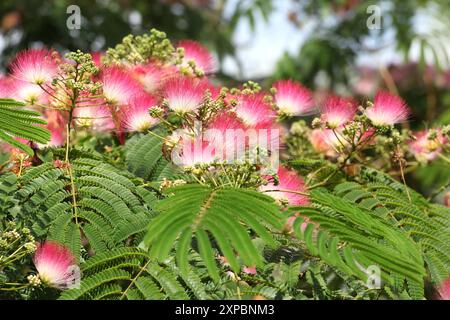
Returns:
<point x="98" y="206"/>
<point x="126" y="274"/>
<point x="352" y="238"/>
<point x="8" y="186"/>
<point x="16" y="122"/>
<point x="213" y="217"/>
<point x="428" y="225"/>
<point x="145" y="159"/>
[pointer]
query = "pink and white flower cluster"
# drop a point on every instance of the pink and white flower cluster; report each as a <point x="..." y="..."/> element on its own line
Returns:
<point x="235" y="125"/>
<point x="56" y="265"/>
<point x="427" y="146"/>
<point x="128" y="91"/>
<point x="339" y="113"/>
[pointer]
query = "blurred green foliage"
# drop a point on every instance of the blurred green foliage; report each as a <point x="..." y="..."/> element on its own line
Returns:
<point x="105" y="22"/>
<point x="340" y="34"/>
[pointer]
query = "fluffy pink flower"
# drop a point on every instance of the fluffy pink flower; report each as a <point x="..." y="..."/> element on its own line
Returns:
<point x="214" y="90"/>
<point x="34" y="66"/>
<point x="136" y="115"/>
<point x="98" y="118"/>
<point x="254" y="111"/>
<point x="56" y="124"/>
<point x="293" y="99"/>
<point x="54" y="263"/>
<point x="226" y="121"/>
<point x="97" y="58"/>
<point x="193" y="151"/>
<point x="366" y="82"/>
<point x="289" y="226"/>
<point x="444" y="290"/>
<point x="152" y="75"/>
<point x="184" y="94"/>
<point x="194" y="51"/>
<point x="338" y="110"/>
<point x="447" y="199"/>
<point x="250" y="270"/>
<point x="320" y="140"/>
<point x="335" y="139"/>
<point x="387" y="109"/>
<point x="13" y="151"/>
<point x="228" y="134"/>
<point x="6" y="87"/>
<point x="288" y="181"/>
<point x="425" y="149"/>
<point x="118" y="86"/>
<point x="233" y="139"/>
<point x="28" y="92"/>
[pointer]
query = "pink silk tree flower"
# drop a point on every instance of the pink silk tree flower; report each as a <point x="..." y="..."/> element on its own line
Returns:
<point x="387" y="110"/>
<point x="335" y="139"/>
<point x="253" y="111"/>
<point x="226" y="121"/>
<point x="425" y="149"/>
<point x="152" y="75"/>
<point x="58" y="138"/>
<point x="184" y="94"/>
<point x="28" y="92"/>
<point x="288" y="181"/>
<point x="35" y="66"/>
<point x="56" y="124"/>
<point x="293" y="99"/>
<point x="194" y="51"/>
<point x="447" y="199"/>
<point x="289" y="225"/>
<point x="97" y="58"/>
<point x="6" y="87"/>
<point x="319" y="139"/>
<point x="233" y="140"/>
<point x="337" y="111"/>
<point x="444" y="290"/>
<point x="136" y="116"/>
<point x="118" y="86"/>
<point x="98" y="118"/>
<point x="193" y="151"/>
<point x="54" y="263"/>
<point x="250" y="270"/>
<point x="213" y="90"/>
<point x="227" y="133"/>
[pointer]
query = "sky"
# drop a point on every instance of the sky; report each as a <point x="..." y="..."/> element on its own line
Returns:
<point x="259" y="50"/>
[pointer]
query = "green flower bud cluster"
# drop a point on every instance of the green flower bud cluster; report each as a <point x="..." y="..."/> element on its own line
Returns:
<point x="251" y="87"/>
<point x="34" y="280"/>
<point x="156" y="112"/>
<point x="79" y="74"/>
<point x="15" y="244"/>
<point x="242" y="174"/>
<point x="446" y="130"/>
<point x="191" y="68"/>
<point x="142" y="48"/>
<point x="316" y="123"/>
<point x="74" y="78"/>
